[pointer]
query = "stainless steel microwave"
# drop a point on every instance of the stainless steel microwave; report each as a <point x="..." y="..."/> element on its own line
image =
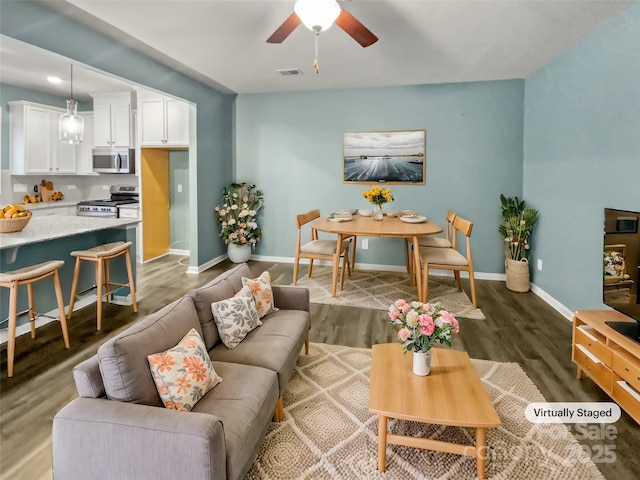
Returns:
<point x="114" y="160"/>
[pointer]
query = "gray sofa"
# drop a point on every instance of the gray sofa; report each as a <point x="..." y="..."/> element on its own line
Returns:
<point x="119" y="429"/>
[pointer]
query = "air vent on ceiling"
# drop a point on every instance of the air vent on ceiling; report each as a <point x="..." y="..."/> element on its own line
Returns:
<point x="290" y="71"/>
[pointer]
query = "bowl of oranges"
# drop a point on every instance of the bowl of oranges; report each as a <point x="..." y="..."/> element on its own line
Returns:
<point x="13" y="218"/>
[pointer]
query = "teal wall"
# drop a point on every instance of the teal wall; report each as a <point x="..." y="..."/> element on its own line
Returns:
<point x="582" y="154"/>
<point x="9" y="93"/>
<point x="35" y="24"/>
<point x="179" y="209"/>
<point x="290" y="145"/>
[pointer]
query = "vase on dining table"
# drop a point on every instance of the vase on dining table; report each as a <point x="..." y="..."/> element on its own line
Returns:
<point x="422" y="363"/>
<point x="377" y="213"/>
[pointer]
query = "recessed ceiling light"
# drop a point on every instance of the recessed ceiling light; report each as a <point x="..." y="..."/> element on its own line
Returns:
<point x="54" y="80"/>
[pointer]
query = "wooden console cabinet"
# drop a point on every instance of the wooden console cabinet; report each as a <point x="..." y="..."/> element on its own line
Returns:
<point x="611" y="359"/>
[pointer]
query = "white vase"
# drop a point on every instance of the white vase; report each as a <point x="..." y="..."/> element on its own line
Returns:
<point x="377" y="213"/>
<point x="238" y="253"/>
<point x="422" y="363"/>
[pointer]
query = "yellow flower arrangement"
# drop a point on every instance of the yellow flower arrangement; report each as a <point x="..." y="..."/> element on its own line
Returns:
<point x="378" y="195"/>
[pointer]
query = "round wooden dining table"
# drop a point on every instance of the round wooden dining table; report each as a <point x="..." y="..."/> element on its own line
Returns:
<point x="393" y="227"/>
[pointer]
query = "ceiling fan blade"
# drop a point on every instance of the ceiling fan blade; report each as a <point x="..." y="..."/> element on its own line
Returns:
<point x="284" y="30"/>
<point x="355" y="29"/>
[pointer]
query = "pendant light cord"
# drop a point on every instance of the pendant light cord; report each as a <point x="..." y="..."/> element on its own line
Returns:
<point x="72" y="81"/>
<point x="315" y="61"/>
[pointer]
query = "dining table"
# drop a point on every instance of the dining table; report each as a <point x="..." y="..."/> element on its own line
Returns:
<point x="389" y="226"/>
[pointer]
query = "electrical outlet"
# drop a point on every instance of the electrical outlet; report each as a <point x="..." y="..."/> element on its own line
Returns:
<point x="539" y="266"/>
<point x="19" y="188"/>
<point x="365" y="243"/>
<point x="105" y="187"/>
<point x="71" y="187"/>
<point x="179" y="188"/>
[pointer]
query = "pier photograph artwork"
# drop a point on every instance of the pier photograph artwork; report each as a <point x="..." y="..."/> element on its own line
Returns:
<point x="385" y="157"/>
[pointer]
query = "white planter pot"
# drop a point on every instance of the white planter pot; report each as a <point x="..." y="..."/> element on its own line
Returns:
<point x="422" y="363"/>
<point x="238" y="253"/>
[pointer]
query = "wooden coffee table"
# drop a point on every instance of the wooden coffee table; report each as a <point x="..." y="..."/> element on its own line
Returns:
<point x="452" y="394"/>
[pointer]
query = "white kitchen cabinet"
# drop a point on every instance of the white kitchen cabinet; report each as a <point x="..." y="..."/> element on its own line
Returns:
<point x="85" y="149"/>
<point x="34" y="146"/>
<point x="163" y="121"/>
<point x="112" y="123"/>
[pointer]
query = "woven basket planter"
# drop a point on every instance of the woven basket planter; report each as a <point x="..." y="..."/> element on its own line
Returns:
<point x="517" y="274"/>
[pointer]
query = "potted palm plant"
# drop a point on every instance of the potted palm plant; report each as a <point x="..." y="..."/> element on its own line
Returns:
<point x="517" y="225"/>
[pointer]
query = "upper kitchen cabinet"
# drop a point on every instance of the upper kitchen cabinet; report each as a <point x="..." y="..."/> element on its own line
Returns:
<point x="112" y="124"/>
<point x="34" y="146"/>
<point x="163" y="121"/>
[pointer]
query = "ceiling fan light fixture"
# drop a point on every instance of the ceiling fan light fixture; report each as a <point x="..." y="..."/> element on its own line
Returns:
<point x="317" y="13"/>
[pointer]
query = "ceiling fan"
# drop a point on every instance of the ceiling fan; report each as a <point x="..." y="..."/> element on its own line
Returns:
<point x="318" y="15"/>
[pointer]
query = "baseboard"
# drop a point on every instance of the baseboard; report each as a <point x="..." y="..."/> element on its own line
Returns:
<point x="211" y="263"/>
<point x="177" y="251"/>
<point x="552" y="302"/>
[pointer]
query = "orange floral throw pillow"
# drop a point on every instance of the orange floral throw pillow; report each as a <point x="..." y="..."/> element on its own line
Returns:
<point x="183" y="374"/>
<point x="262" y="293"/>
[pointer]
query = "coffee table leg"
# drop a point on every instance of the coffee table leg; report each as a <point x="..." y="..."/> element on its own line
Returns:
<point x="382" y="442"/>
<point x="481" y="449"/>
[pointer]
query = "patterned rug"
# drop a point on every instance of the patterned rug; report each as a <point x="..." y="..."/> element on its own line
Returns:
<point x="328" y="432"/>
<point x="378" y="290"/>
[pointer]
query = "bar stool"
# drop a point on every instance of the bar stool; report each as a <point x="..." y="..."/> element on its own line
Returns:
<point x="28" y="276"/>
<point x="101" y="255"/>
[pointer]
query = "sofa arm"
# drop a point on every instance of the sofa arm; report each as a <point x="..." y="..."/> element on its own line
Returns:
<point x="105" y="439"/>
<point x="288" y="297"/>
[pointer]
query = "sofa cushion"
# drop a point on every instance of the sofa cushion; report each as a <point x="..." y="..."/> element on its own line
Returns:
<point x="245" y="404"/>
<point x="262" y="293"/>
<point x="275" y="345"/>
<point x="226" y="285"/>
<point x="183" y="374"/>
<point x="123" y="358"/>
<point x="235" y="317"/>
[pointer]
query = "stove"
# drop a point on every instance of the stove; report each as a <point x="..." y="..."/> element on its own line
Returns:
<point x="120" y="195"/>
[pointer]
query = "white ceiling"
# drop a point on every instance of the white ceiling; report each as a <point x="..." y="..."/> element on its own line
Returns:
<point x="223" y="43"/>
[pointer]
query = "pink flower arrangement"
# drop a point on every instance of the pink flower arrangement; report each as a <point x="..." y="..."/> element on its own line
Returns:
<point x="421" y="325"/>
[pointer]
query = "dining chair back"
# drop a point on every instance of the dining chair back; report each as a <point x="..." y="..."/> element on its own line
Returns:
<point x="319" y="249"/>
<point x="439" y="258"/>
<point x="439" y="242"/>
<point x="430" y="241"/>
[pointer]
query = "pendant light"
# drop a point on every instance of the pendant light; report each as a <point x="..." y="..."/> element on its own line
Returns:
<point x="70" y="124"/>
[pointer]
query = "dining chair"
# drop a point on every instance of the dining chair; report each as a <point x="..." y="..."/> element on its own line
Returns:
<point x="317" y="249"/>
<point x="438" y="258"/>
<point x="431" y="241"/>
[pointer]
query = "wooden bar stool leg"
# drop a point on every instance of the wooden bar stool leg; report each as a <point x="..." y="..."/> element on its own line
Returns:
<point x="63" y="318"/>
<point x="74" y="286"/>
<point x="11" y="341"/>
<point x="32" y="311"/>
<point x="131" y="282"/>
<point x="106" y="278"/>
<point x="99" y="292"/>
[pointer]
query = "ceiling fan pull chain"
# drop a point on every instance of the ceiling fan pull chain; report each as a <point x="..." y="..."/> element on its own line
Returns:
<point x="315" y="60"/>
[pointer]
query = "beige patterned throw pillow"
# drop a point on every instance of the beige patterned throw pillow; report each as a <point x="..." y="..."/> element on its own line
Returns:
<point x="235" y="317"/>
<point x="262" y="293"/>
<point x="183" y="374"/>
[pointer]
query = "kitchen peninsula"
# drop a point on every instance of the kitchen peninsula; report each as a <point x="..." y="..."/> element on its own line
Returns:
<point x="54" y="238"/>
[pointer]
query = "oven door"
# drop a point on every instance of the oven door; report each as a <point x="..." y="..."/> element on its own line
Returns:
<point x="106" y="160"/>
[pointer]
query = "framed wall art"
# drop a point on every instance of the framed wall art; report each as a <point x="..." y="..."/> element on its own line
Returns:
<point x="394" y="157"/>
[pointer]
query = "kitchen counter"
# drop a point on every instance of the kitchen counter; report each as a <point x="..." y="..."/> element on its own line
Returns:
<point x="41" y="229"/>
<point x="45" y="205"/>
<point x="54" y="237"/>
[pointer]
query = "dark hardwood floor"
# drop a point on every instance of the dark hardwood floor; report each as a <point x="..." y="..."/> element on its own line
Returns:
<point x="519" y="328"/>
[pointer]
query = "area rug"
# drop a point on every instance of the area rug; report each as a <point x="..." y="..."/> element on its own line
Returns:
<point x="328" y="432"/>
<point x="378" y="290"/>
